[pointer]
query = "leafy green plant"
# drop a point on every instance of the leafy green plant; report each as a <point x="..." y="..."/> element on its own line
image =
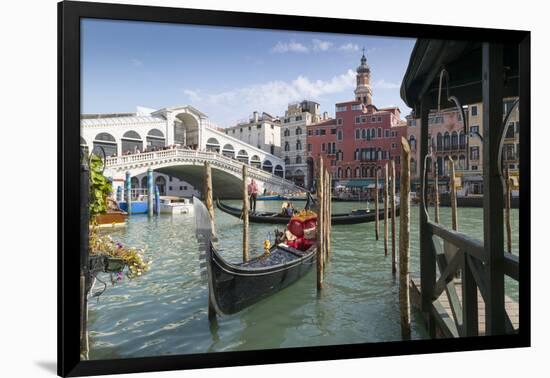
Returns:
<point x="100" y="187"/>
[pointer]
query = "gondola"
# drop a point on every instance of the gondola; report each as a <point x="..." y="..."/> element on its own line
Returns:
<point x="233" y="287"/>
<point x="353" y="217"/>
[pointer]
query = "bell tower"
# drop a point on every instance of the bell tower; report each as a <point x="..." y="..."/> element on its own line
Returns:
<point x="363" y="91"/>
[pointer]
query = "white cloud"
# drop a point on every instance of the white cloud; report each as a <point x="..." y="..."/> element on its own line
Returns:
<point x="193" y="95"/>
<point x="354" y="47"/>
<point x="382" y="84"/>
<point x="316" y="45"/>
<point x="349" y="47"/>
<point x="319" y="45"/>
<point x="272" y="97"/>
<point x="292" y="46"/>
<point x="136" y="62"/>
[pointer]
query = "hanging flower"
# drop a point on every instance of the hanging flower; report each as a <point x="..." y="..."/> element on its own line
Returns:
<point x="133" y="257"/>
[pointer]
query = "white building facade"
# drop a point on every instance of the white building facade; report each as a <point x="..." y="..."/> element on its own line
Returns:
<point x="262" y="132"/>
<point x="294" y="146"/>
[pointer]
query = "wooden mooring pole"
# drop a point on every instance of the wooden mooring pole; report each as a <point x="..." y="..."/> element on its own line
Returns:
<point x="393" y="213"/>
<point x="245" y="213"/>
<point x="376" y="207"/>
<point x="404" y="236"/>
<point x="330" y="215"/>
<point x="507" y="203"/>
<point x="327" y="219"/>
<point x="320" y="223"/>
<point x="325" y="192"/>
<point x="454" y="213"/>
<point x="436" y="192"/>
<point x="207" y="190"/>
<point x="386" y="209"/>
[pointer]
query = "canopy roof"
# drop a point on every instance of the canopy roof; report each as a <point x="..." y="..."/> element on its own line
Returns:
<point x="462" y="60"/>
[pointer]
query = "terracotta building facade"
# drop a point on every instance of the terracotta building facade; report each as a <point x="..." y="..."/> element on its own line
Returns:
<point x="360" y="139"/>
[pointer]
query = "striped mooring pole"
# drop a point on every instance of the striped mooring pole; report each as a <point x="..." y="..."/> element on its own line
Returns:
<point x="157" y="200"/>
<point x="119" y="193"/>
<point x="150" y="192"/>
<point x="128" y="192"/>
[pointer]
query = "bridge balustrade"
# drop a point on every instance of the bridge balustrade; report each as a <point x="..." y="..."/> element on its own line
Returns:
<point x="199" y="156"/>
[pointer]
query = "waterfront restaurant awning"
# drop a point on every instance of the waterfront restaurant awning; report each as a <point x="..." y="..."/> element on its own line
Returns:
<point x="363" y="183"/>
<point x="356" y="183"/>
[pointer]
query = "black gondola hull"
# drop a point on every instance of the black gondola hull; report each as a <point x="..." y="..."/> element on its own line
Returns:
<point x="273" y="218"/>
<point x="234" y="287"/>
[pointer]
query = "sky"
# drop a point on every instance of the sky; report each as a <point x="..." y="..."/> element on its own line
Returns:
<point x="227" y="73"/>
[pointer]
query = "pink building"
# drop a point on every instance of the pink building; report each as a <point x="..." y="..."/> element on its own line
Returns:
<point x="360" y="139"/>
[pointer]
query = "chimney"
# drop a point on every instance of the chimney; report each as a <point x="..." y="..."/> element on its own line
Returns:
<point x="325" y="115"/>
<point x="255" y="116"/>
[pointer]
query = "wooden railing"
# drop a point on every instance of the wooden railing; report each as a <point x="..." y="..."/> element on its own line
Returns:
<point x="464" y="256"/>
<point x="482" y="266"/>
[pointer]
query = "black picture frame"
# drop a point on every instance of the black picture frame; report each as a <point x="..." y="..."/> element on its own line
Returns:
<point x="69" y="16"/>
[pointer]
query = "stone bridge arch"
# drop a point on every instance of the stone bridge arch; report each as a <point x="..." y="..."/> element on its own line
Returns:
<point x="188" y="166"/>
<point x="224" y="184"/>
<point x="187" y="130"/>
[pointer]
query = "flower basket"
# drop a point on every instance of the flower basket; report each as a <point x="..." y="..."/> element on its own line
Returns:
<point x="104" y="263"/>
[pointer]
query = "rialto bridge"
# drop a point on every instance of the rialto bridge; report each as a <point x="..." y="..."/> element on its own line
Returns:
<point x="136" y="141"/>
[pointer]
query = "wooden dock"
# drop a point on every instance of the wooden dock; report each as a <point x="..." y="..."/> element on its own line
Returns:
<point x="445" y="321"/>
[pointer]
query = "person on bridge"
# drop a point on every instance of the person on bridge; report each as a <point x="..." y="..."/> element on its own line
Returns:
<point x="253" y="193"/>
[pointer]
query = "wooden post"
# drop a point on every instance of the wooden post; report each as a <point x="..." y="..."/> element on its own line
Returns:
<point x="376" y="207"/>
<point x="329" y="214"/>
<point x="454" y="214"/>
<point x="207" y="190"/>
<point x="507" y="202"/>
<point x="427" y="252"/>
<point x="320" y="223"/>
<point x="436" y="191"/>
<point x="325" y="219"/>
<point x="393" y="214"/>
<point x="404" y="235"/>
<point x="386" y="210"/>
<point x="84" y="345"/>
<point x="492" y="64"/>
<point x="245" y="213"/>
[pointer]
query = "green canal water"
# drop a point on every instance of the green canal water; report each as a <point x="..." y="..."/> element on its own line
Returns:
<point x="164" y="311"/>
